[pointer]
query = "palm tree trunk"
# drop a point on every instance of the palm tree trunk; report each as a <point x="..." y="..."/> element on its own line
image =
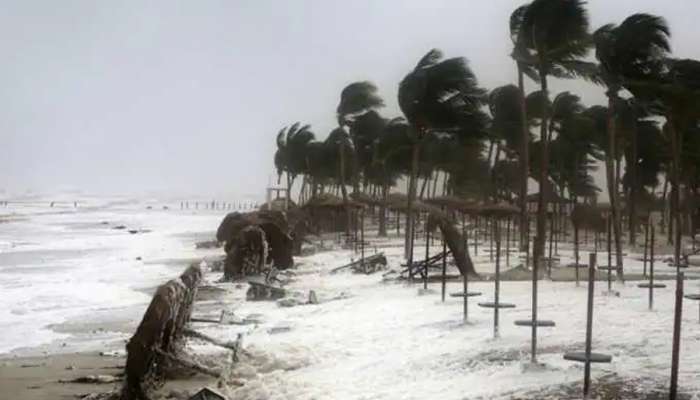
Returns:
<point x="538" y="251"/>
<point x="435" y="181"/>
<point x="382" y="211"/>
<point x="675" y="192"/>
<point x="343" y="189"/>
<point x="411" y="197"/>
<point x="524" y="164"/>
<point x="612" y="184"/>
<point x="632" y="197"/>
<point x="422" y="189"/>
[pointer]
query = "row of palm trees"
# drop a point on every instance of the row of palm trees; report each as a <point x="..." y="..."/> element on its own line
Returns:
<point x="480" y="143"/>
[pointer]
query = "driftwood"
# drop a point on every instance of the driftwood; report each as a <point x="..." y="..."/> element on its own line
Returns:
<point x="190" y="364"/>
<point x="372" y="261"/>
<point x="160" y="333"/>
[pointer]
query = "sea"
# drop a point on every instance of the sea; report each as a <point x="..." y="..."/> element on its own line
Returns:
<point x="70" y="259"/>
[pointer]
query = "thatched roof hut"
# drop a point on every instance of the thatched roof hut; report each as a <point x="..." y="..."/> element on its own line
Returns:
<point x="330" y="202"/>
<point x="499" y="210"/>
<point x="364" y="198"/>
<point x="456" y="203"/>
<point x="278" y="205"/>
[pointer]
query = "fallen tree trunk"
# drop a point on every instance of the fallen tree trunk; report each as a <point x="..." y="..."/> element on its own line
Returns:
<point x="453" y="239"/>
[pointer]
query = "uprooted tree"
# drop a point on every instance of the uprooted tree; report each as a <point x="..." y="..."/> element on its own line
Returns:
<point x="255" y="239"/>
<point x="159" y="337"/>
<point x="453" y="239"/>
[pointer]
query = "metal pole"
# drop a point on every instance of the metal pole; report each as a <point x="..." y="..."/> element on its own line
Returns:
<point x="676" y="336"/>
<point x="589" y="325"/>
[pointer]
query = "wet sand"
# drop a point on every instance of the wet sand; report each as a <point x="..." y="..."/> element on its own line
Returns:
<point x="41" y="377"/>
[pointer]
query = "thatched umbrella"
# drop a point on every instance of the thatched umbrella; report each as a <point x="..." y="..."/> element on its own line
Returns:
<point x="278" y="205"/>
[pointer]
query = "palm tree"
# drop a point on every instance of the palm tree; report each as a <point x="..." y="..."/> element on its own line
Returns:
<point x="630" y="51"/>
<point x="677" y="88"/>
<point x="506" y="108"/>
<point x="438" y="95"/>
<point x="391" y="160"/>
<point x="554" y="37"/>
<point x="520" y="55"/>
<point x="356" y="99"/>
<point x="290" y="157"/>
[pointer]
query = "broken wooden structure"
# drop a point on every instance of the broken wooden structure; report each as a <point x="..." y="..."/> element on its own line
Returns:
<point x="159" y="338"/>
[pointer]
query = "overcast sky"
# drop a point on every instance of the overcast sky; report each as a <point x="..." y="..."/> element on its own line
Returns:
<point x="186" y="97"/>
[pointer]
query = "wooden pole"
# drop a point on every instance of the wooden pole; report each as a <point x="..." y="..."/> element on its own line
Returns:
<point x="589" y="325"/>
<point x="651" y="266"/>
<point x="476" y="235"/>
<point x="646" y="246"/>
<point x="498" y="284"/>
<point x="508" y="242"/>
<point x="576" y="253"/>
<point x="465" y="284"/>
<point x="427" y="255"/>
<point x="551" y="238"/>
<point x="609" y="253"/>
<point x="533" y="338"/>
<point x="676" y="335"/>
<point x="362" y="241"/>
<point x="444" y="267"/>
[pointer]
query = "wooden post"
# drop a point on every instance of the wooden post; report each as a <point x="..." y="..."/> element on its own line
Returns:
<point x="362" y="241"/>
<point x="444" y="267"/>
<point x="646" y="246"/>
<point x="465" y="284"/>
<point x="476" y="235"/>
<point x="508" y="241"/>
<point x="533" y="339"/>
<point x="589" y="325"/>
<point x="490" y="231"/>
<point x="427" y="255"/>
<point x="609" y="253"/>
<point x="551" y="238"/>
<point x="651" y="266"/>
<point x="498" y="284"/>
<point x="576" y="253"/>
<point x="678" y="313"/>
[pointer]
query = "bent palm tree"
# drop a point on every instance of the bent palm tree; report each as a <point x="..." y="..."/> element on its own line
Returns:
<point x="356" y="99"/>
<point x="290" y="157"/>
<point x="554" y="36"/>
<point x="438" y="95"/>
<point x="630" y="51"/>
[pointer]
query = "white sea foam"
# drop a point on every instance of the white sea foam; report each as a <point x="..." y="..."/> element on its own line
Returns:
<point x="62" y="263"/>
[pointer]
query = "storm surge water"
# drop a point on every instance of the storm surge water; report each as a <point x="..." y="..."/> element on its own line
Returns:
<point x="76" y="259"/>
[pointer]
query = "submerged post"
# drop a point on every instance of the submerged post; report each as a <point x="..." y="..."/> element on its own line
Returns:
<point x="678" y="313"/>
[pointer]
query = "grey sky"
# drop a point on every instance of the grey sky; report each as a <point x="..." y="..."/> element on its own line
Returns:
<point x="187" y="97"/>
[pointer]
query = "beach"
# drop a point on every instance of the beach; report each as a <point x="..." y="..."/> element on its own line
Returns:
<point x="366" y="336"/>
